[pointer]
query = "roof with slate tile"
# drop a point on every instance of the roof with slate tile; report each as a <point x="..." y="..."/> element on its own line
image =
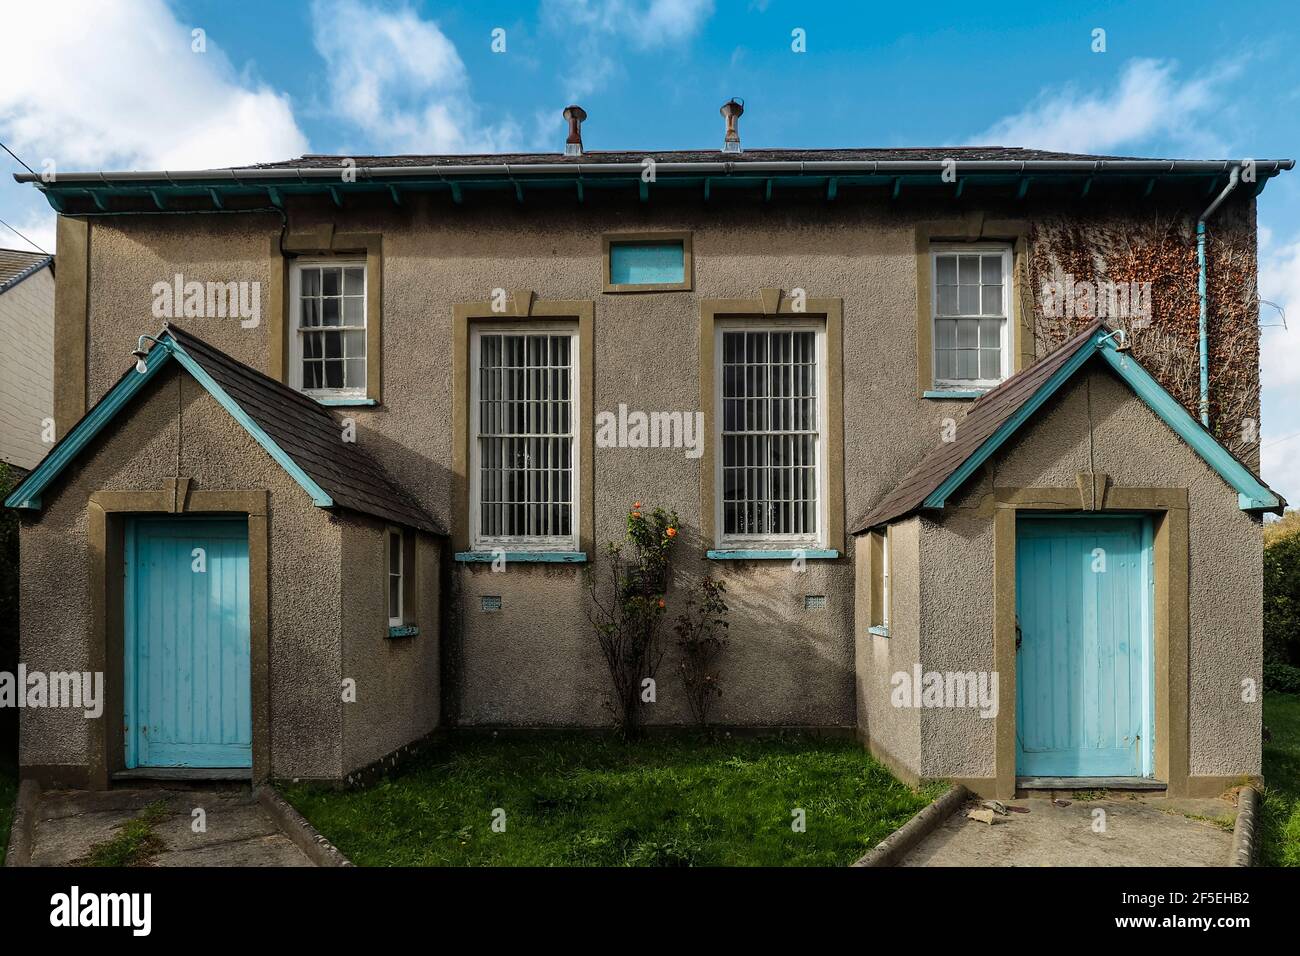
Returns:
<point x="597" y="157"/>
<point x="311" y="435"/>
<point x="996" y="408"/>
<point x="300" y="428"/>
<point x="16" y="265"/>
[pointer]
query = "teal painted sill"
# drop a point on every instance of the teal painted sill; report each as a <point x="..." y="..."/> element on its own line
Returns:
<point x="536" y="557"/>
<point x="952" y="393"/>
<point x="405" y="630"/>
<point x="348" y="402"/>
<point x="878" y="631"/>
<point x="773" y="555"/>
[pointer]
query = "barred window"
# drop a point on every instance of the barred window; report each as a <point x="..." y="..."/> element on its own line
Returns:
<point x="524" y="439"/>
<point x="771" y="434"/>
<point x="971" y="309"/>
<point x="329" y="338"/>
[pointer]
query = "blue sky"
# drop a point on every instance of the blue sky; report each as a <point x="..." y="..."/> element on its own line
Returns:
<point x="113" y="85"/>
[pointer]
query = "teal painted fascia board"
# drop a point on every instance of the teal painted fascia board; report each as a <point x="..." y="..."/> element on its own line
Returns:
<point x="952" y="393"/>
<point x="28" y="494"/>
<point x="220" y="189"/>
<point x="765" y="554"/>
<point x="940" y="495"/>
<point x="1246" y="503"/>
<point x="1252" y="494"/>
<point x="319" y="496"/>
<point x="539" y="557"/>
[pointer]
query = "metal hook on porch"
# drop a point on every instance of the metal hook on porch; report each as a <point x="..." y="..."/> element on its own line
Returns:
<point x="1123" y="340"/>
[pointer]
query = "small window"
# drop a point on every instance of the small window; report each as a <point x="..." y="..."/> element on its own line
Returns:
<point x="647" y="263"/>
<point x="971" y="311"/>
<point x="328" y="338"/>
<point x="396" y="578"/>
<point x="772" y="435"/>
<point x="880" y="581"/>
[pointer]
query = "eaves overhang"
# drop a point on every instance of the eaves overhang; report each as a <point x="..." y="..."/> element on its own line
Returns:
<point x="244" y="189"/>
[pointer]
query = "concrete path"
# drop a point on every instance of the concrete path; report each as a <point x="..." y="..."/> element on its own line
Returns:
<point x="1138" y="831"/>
<point x="69" y="823"/>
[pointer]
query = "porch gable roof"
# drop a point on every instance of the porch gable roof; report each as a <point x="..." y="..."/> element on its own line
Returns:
<point x="302" y="436"/>
<point x="1000" y="413"/>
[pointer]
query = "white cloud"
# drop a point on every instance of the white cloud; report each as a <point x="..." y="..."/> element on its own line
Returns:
<point x="1149" y="101"/>
<point x="671" y="21"/>
<point x="1279" y="282"/>
<point x="37" y="226"/>
<point x="591" y="30"/>
<point x="399" y="80"/>
<point x="94" y="85"/>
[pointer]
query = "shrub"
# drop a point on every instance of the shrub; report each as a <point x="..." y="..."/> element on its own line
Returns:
<point x="1282" y="591"/>
<point x="701" y="635"/>
<point x="8" y="607"/>
<point x="1281" y="677"/>
<point x="629" y="620"/>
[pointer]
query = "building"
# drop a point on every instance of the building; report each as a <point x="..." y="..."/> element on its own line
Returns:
<point x="403" y="401"/>
<point x="26" y="357"/>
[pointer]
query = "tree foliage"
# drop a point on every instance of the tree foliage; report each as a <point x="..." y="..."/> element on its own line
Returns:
<point x="1282" y="603"/>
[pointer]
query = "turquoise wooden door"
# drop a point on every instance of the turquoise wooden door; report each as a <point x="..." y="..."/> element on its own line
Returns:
<point x="186" y="643"/>
<point x="1083" y="668"/>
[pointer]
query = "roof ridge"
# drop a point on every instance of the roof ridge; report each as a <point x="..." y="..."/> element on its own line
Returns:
<point x="305" y="400"/>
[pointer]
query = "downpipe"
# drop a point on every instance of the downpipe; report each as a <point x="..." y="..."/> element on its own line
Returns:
<point x="1203" y="295"/>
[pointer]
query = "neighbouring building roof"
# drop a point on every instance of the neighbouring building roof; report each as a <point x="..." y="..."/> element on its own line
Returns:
<point x="300" y="434"/>
<point x="1001" y="412"/>
<point x="17" y="264"/>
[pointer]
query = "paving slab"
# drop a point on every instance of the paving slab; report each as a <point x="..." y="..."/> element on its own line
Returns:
<point x="1130" y="830"/>
<point x="237" y="829"/>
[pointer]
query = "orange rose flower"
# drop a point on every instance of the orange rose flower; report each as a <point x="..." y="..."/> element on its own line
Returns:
<point x="636" y="506"/>
<point x="661" y="602"/>
<point x="672" y="532"/>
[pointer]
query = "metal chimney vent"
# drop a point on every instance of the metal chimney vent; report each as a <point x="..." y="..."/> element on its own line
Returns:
<point x="731" y="110"/>
<point x="574" y="115"/>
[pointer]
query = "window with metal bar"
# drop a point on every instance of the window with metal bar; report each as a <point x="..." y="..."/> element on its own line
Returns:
<point x="771" y="434"/>
<point x="524" y="440"/>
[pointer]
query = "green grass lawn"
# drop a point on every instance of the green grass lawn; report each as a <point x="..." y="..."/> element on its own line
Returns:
<point x="8" y="793"/>
<point x="593" y="801"/>
<point x="1280" y="816"/>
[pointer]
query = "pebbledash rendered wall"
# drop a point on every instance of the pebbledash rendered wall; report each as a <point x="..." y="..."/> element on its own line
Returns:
<point x="535" y="662"/>
<point x="319" y="631"/>
<point x="397" y="680"/>
<point x="1095" y="424"/>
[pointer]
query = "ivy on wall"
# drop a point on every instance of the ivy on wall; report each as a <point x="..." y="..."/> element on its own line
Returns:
<point x="1162" y="251"/>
